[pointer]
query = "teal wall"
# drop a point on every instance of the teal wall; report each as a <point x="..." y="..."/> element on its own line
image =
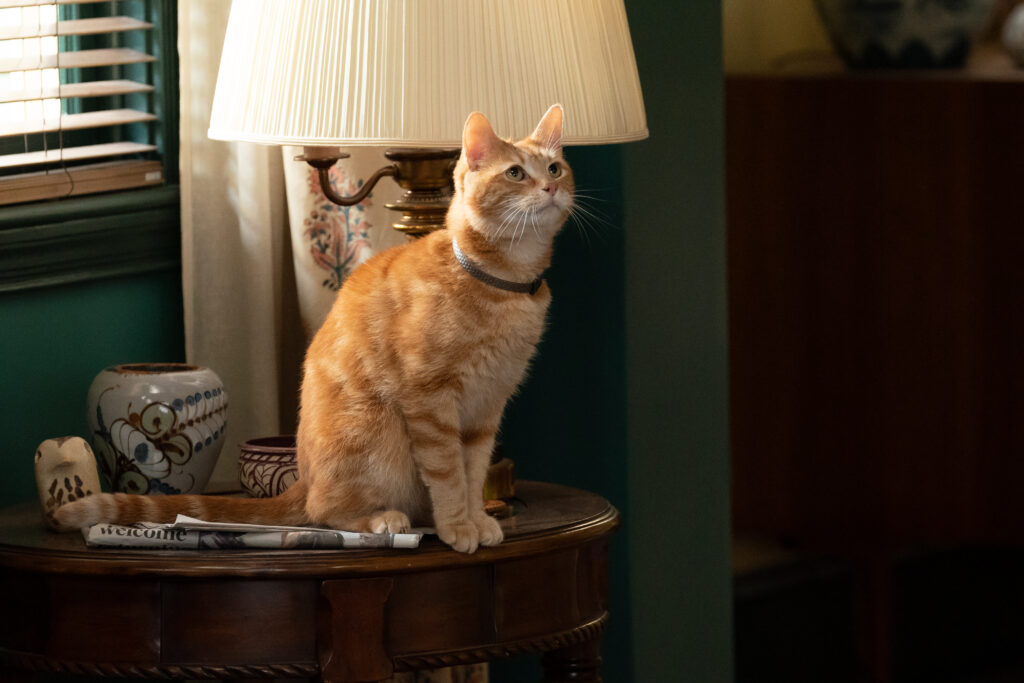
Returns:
<point x="628" y="395"/>
<point x="676" y="350"/>
<point x="54" y="340"/>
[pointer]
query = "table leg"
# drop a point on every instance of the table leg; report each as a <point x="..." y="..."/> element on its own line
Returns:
<point x="580" y="662"/>
<point x="873" y="596"/>
<point x="350" y="633"/>
<point x="9" y="675"/>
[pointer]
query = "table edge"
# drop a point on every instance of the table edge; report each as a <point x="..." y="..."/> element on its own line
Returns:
<point x="322" y="564"/>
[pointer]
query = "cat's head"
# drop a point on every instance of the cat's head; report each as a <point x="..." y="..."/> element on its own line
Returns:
<point x="514" y="191"/>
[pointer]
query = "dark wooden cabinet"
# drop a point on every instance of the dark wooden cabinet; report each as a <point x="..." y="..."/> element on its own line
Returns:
<point x="876" y="311"/>
<point x="876" y="305"/>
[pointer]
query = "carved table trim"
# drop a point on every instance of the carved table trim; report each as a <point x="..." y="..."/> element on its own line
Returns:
<point x="338" y="615"/>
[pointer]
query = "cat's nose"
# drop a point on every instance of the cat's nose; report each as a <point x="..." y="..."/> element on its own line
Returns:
<point x="551" y="189"/>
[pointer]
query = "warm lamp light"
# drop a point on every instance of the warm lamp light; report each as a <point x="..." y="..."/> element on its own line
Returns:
<point x="327" y="74"/>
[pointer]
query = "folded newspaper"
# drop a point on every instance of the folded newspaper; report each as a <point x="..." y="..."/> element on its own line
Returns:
<point x="188" y="533"/>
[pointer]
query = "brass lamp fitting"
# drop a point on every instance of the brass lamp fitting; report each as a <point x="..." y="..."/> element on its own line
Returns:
<point x="424" y="173"/>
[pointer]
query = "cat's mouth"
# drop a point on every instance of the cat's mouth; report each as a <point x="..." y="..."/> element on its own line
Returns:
<point x="551" y="203"/>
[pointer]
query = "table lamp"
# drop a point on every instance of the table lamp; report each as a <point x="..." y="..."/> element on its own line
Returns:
<point x="405" y="74"/>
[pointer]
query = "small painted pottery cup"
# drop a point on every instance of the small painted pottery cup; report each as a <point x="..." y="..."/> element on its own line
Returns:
<point x="267" y="466"/>
<point x="157" y="427"/>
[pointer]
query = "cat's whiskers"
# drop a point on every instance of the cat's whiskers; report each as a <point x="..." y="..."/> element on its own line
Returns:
<point x="522" y="226"/>
<point x="593" y="189"/>
<point x="583" y="206"/>
<point x="586" y="218"/>
<point x="504" y="223"/>
<point x="584" y="229"/>
<point x="591" y="197"/>
<point x="581" y="209"/>
<point x="515" y="225"/>
<point x="527" y="217"/>
<point x="509" y="216"/>
<point x="508" y="208"/>
<point x="521" y="223"/>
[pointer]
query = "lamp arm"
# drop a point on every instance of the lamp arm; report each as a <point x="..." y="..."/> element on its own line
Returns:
<point x="323" y="167"/>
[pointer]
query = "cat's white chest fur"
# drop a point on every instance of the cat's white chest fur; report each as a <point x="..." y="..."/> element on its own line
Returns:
<point x="495" y="369"/>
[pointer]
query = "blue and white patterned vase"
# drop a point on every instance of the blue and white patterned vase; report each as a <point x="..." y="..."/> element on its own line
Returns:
<point x="157" y="427"/>
<point x="904" y="34"/>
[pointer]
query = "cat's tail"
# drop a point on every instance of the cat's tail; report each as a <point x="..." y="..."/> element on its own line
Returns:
<point x="288" y="509"/>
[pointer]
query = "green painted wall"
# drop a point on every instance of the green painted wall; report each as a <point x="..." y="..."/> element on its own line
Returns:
<point x="54" y="340"/>
<point x="628" y="395"/>
<point x="676" y="339"/>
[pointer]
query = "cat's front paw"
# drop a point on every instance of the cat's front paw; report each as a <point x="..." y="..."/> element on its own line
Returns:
<point x="461" y="535"/>
<point x="489" y="530"/>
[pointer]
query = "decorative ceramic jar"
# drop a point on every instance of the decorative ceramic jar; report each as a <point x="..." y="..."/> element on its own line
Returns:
<point x="904" y="33"/>
<point x="267" y="466"/>
<point x="1013" y="35"/>
<point x="157" y="427"/>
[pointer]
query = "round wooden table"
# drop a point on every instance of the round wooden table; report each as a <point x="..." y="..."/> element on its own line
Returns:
<point x="336" y="615"/>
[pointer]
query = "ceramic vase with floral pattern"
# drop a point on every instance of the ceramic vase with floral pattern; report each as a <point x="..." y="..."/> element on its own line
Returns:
<point x="330" y="241"/>
<point x="157" y="427"/>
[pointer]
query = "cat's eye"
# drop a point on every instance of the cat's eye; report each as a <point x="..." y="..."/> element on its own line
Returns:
<point x="515" y="173"/>
<point x="554" y="170"/>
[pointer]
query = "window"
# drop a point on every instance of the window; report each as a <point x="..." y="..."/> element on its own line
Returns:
<point x="85" y="97"/>
<point x="52" y="230"/>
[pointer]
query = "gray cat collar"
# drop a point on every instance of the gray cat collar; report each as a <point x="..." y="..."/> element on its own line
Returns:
<point x="488" y="279"/>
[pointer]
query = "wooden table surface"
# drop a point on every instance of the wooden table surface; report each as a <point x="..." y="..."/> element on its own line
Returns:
<point x="340" y="615"/>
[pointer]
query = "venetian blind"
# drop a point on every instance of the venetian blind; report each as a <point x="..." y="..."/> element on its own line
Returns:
<point x="75" y="99"/>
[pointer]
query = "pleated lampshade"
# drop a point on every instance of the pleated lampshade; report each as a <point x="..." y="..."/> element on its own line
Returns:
<point x="408" y="72"/>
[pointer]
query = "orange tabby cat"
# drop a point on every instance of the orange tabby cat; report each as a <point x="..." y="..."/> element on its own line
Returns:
<point x="406" y="381"/>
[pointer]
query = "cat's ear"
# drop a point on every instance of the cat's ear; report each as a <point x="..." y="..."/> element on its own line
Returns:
<point x="478" y="140"/>
<point x="549" y="131"/>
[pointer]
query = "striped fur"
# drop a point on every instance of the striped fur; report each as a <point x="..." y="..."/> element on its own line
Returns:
<point x="405" y="383"/>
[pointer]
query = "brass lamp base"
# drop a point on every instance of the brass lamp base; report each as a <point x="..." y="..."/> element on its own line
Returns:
<point x="426" y="177"/>
<point x="424" y="173"/>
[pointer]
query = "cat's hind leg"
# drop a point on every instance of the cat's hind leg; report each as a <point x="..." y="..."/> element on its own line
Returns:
<point x="381" y="522"/>
<point x="389" y="521"/>
<point x="357" y="465"/>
